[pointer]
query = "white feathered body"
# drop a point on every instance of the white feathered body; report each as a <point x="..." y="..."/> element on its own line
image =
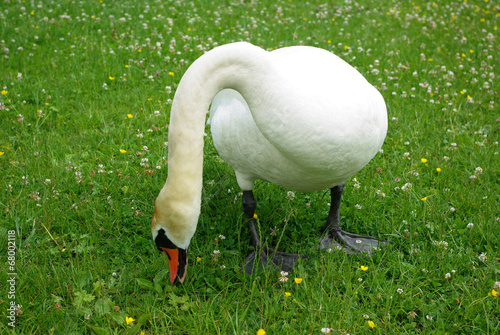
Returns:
<point x="321" y="123"/>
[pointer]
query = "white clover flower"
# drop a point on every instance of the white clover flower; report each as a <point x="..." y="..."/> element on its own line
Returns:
<point x="483" y="257"/>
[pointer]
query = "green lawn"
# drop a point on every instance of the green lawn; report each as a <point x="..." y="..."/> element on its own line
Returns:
<point x="86" y="89"/>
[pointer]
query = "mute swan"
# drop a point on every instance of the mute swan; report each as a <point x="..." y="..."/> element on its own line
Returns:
<point x="299" y="117"/>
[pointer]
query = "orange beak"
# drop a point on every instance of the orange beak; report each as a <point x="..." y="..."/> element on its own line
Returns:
<point x="177" y="261"/>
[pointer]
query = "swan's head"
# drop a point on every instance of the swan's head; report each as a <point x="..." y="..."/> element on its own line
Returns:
<point x="172" y="232"/>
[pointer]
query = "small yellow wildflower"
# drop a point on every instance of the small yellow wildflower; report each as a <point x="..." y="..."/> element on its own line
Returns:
<point x="46" y="104"/>
<point x="111" y="78"/>
<point x="171" y="73"/>
<point x="424" y="199"/>
<point x="371" y="324"/>
<point x="129" y="320"/>
<point x="423" y="160"/>
<point x="430" y="60"/>
<point x="4" y="92"/>
<point x="126" y="65"/>
<point x="2" y="153"/>
<point x="438" y="169"/>
<point x="198" y="259"/>
<point x="469" y="97"/>
<point x="364" y="268"/>
<point x="123" y="151"/>
<point x="494" y="293"/>
<point x="287" y="294"/>
<point x="261" y="332"/>
<point x="298" y="280"/>
<point x="139" y="50"/>
<point x="255" y="216"/>
<point x="130" y="116"/>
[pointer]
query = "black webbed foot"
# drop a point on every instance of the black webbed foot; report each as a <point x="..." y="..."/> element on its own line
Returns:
<point x="336" y="238"/>
<point x="351" y="243"/>
<point x="263" y="258"/>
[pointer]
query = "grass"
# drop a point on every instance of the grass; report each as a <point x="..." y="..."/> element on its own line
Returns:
<point x="86" y="92"/>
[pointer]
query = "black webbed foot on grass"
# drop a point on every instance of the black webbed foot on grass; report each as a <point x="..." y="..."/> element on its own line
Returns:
<point x="263" y="258"/>
<point x="336" y="238"/>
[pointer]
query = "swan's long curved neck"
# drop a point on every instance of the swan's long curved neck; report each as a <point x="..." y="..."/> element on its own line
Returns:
<point x="231" y="66"/>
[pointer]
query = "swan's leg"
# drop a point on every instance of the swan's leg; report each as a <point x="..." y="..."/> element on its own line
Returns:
<point x="337" y="238"/>
<point x="263" y="257"/>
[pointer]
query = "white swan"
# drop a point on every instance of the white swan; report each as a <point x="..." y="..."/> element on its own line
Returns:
<point x="299" y="117"/>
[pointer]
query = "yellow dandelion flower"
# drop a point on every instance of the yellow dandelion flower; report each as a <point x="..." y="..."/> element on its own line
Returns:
<point x="298" y="280"/>
<point x="494" y="293"/>
<point x="364" y="268"/>
<point x="424" y="199"/>
<point x="438" y="169"/>
<point x="430" y="60"/>
<point x="130" y="116"/>
<point x="198" y="259"/>
<point x="469" y="97"/>
<point x="111" y="78"/>
<point x="123" y="151"/>
<point x="255" y="216"/>
<point x="126" y="65"/>
<point x="2" y="153"/>
<point x="371" y="324"/>
<point x="4" y="92"/>
<point x="287" y="294"/>
<point x="423" y="160"/>
<point x="139" y="50"/>
<point x="261" y="332"/>
<point x="171" y="73"/>
<point x="129" y="320"/>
